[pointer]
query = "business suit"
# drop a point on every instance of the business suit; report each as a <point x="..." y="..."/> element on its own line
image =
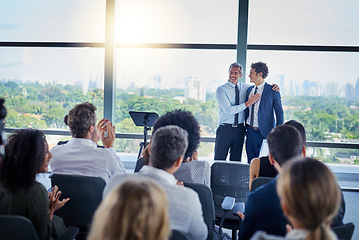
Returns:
<point x="270" y="104"/>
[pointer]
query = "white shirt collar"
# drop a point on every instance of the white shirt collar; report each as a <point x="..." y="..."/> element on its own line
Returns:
<point x="82" y="141"/>
<point x="168" y="177"/>
<point x="261" y="86"/>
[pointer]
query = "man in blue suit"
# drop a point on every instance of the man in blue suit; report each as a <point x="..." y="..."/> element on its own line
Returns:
<point x="260" y="116"/>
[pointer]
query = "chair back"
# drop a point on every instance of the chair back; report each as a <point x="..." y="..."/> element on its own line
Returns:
<point x="229" y="179"/>
<point x="177" y="235"/>
<point x="85" y="195"/>
<point x="344" y="232"/>
<point x="139" y="164"/>
<point x="16" y="228"/>
<point x="206" y="199"/>
<point x="259" y="181"/>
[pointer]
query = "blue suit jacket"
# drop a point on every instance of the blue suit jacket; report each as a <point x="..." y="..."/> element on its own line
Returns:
<point x="263" y="212"/>
<point x="270" y="104"/>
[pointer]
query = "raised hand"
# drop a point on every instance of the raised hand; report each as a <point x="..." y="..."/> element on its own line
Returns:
<point x="54" y="201"/>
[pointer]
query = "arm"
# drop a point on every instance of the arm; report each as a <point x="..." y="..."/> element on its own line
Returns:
<point x="278" y="109"/>
<point x="249" y="221"/>
<point x="225" y="105"/>
<point x="253" y="170"/>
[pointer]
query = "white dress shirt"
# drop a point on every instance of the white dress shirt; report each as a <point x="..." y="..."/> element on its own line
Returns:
<point x="81" y="156"/>
<point x="256" y="105"/>
<point x="185" y="209"/>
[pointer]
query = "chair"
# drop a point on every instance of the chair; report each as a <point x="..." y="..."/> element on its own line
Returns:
<point x="259" y="181"/>
<point x="344" y="232"/>
<point x="85" y="195"/>
<point x="206" y="199"/>
<point x="177" y="235"/>
<point x="139" y="164"/>
<point x="229" y="179"/>
<point x="14" y="227"/>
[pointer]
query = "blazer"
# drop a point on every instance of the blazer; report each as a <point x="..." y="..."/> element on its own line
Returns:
<point x="270" y="104"/>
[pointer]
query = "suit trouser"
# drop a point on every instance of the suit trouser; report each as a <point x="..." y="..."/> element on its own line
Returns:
<point x="253" y="143"/>
<point x="229" y="138"/>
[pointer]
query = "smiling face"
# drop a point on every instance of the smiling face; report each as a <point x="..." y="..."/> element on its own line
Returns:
<point x="255" y="77"/>
<point x="234" y="75"/>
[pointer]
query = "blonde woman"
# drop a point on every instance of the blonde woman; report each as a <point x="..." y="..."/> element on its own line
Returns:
<point x="310" y="198"/>
<point x="135" y="210"/>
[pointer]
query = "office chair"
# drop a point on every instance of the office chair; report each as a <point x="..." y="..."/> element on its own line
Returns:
<point x="259" y="181"/>
<point x="14" y="227"/>
<point x="229" y="179"/>
<point x="85" y="195"/>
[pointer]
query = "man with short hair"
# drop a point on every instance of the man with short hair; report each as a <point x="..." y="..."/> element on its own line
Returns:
<point x="81" y="155"/>
<point x="260" y="116"/>
<point x="167" y="150"/>
<point x="263" y="211"/>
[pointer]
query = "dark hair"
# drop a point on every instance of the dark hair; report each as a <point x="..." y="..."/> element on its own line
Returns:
<point x="284" y="143"/>
<point x="185" y="120"/>
<point x="261" y="67"/>
<point x="236" y="65"/>
<point x="80" y="118"/>
<point x="66" y="119"/>
<point x="24" y="157"/>
<point x="300" y="128"/>
<point x="167" y="145"/>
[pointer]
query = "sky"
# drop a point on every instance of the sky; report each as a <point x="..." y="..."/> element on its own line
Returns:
<point x="307" y="22"/>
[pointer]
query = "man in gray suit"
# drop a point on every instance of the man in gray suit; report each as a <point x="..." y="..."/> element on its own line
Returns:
<point x="168" y="146"/>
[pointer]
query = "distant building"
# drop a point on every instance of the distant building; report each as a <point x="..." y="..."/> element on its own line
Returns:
<point x="195" y="88"/>
<point x="356" y="91"/>
<point x="332" y="89"/>
<point x="349" y="91"/>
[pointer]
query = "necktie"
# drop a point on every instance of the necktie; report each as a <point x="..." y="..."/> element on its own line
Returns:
<point x="237" y="103"/>
<point x="252" y="112"/>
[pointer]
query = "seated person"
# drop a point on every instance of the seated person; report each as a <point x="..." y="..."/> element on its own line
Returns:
<point x="191" y="170"/>
<point x="263" y="211"/>
<point x="167" y="149"/>
<point x="27" y="154"/>
<point x="136" y="209"/>
<point x="261" y="167"/>
<point x="310" y="198"/>
<point x="81" y="156"/>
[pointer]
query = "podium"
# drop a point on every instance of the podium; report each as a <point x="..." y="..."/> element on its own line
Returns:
<point x="147" y="120"/>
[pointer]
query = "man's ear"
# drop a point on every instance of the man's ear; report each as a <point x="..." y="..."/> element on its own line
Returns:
<point x="91" y="128"/>
<point x="179" y="161"/>
<point x="271" y="159"/>
<point x="304" y="151"/>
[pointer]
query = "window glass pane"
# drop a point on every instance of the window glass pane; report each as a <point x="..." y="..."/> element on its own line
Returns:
<point x="307" y="22"/>
<point x="162" y="80"/>
<point x="319" y="89"/>
<point x="176" y="21"/>
<point x="55" y="20"/>
<point x="40" y="85"/>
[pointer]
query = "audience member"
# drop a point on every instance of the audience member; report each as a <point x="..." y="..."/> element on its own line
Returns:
<point x="310" y="198"/>
<point x="191" y="170"/>
<point x="135" y="210"/>
<point x="263" y="211"/>
<point x="80" y="155"/>
<point x="261" y="167"/>
<point x="167" y="151"/>
<point x="27" y="154"/>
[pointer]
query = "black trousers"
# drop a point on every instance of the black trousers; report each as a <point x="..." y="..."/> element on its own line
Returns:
<point x="231" y="139"/>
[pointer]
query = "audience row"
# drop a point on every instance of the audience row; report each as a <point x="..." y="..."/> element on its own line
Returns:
<point x="151" y="203"/>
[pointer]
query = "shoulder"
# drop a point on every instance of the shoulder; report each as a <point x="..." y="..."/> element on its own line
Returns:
<point x="267" y="191"/>
<point x="222" y="88"/>
<point x="115" y="180"/>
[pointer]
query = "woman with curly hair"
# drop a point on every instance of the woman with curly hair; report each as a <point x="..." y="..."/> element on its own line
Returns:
<point x="27" y="154"/>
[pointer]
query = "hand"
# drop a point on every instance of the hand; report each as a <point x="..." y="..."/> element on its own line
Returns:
<point x="252" y="99"/>
<point x="180" y="183"/>
<point x="275" y="87"/>
<point x="107" y="132"/>
<point x="54" y="202"/>
<point x="241" y="215"/>
<point x="289" y="228"/>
